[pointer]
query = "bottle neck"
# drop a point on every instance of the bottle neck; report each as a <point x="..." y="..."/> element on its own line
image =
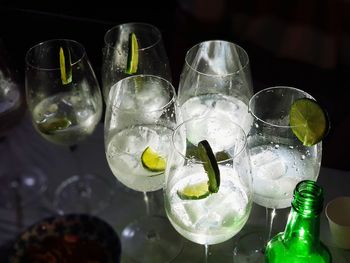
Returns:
<point x="304" y="220"/>
<point x="302" y="228"/>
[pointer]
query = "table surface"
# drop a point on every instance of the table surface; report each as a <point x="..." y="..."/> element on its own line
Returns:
<point x="24" y="149"/>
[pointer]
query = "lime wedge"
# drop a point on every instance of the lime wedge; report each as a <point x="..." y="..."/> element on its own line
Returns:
<point x="133" y="55"/>
<point x="152" y="161"/>
<point x="191" y="150"/>
<point x="65" y="67"/>
<point x="210" y="165"/>
<point x="308" y="121"/>
<point x="49" y="126"/>
<point x="194" y="191"/>
<point x="222" y="156"/>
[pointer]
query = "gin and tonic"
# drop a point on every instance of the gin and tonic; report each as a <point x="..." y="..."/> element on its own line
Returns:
<point x="204" y="209"/>
<point x="141" y="115"/>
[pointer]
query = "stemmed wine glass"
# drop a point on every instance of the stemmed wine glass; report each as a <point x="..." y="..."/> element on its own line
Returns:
<point x="279" y="161"/>
<point x="151" y="55"/>
<point x="20" y="184"/>
<point x="12" y="102"/>
<point x="208" y="218"/>
<point x="65" y="103"/>
<point x="140" y="117"/>
<point x="216" y="80"/>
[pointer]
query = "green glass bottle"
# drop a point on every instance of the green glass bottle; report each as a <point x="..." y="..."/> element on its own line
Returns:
<point x="300" y="242"/>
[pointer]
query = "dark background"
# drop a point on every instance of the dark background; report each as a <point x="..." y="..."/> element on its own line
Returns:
<point x="304" y="44"/>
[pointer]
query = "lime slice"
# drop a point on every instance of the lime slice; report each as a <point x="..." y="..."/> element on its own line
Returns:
<point x="210" y="165"/>
<point x="152" y="161"/>
<point x="138" y="84"/>
<point x="65" y="67"/>
<point x="194" y="191"/>
<point x="133" y="55"/>
<point x="308" y="121"/>
<point x="49" y="126"/>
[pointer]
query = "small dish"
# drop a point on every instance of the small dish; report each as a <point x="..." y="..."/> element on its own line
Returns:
<point x="338" y="214"/>
<point x="70" y="238"/>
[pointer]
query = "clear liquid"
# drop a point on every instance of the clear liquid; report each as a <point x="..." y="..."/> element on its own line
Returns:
<point x="82" y="113"/>
<point x="213" y="219"/>
<point x="124" y="150"/>
<point x="276" y="171"/>
<point x="220" y="106"/>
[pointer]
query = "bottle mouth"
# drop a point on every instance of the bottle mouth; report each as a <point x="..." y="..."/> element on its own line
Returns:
<point x="308" y="198"/>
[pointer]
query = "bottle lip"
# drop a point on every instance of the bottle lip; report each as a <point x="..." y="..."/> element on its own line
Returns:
<point x="308" y="198"/>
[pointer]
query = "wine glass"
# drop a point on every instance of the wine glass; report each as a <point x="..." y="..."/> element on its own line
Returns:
<point x="20" y="182"/>
<point x="65" y="103"/>
<point x="12" y="102"/>
<point x="152" y="58"/>
<point x="216" y="80"/>
<point x="216" y="217"/>
<point x="140" y="116"/>
<point x="279" y="161"/>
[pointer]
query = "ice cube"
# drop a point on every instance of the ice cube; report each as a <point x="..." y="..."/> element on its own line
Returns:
<point x="222" y="207"/>
<point x="195" y="211"/>
<point x="286" y="186"/>
<point x="211" y="220"/>
<point x="190" y="110"/>
<point x="215" y="131"/>
<point x="127" y="162"/>
<point x="268" y="165"/>
<point x="264" y="187"/>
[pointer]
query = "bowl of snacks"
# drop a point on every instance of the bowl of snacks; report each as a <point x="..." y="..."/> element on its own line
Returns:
<point x="69" y="238"/>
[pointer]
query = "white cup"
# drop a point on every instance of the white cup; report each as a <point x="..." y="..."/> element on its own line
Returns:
<point x="338" y="214"/>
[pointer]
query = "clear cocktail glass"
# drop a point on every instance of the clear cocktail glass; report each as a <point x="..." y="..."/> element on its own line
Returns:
<point x="203" y="217"/>
<point x="279" y="161"/>
<point x="140" y="117"/>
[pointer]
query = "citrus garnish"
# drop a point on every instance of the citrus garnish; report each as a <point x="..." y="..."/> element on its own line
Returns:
<point x="133" y="55"/>
<point x="152" y="161"/>
<point x="65" y="67"/>
<point x="308" y="121"/>
<point x="49" y="126"/>
<point x="191" y="150"/>
<point x="138" y="84"/>
<point x="203" y="189"/>
<point x="194" y="191"/>
<point x="222" y="156"/>
<point x="210" y="165"/>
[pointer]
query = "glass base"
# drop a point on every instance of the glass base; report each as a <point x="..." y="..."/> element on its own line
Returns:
<point x="86" y="194"/>
<point x="150" y="239"/>
<point x="250" y="247"/>
<point x="21" y="187"/>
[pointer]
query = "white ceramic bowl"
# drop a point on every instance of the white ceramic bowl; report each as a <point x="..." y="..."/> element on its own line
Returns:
<point x="338" y="214"/>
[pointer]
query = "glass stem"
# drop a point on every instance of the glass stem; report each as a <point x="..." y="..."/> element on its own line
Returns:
<point x="146" y="199"/>
<point x="83" y="186"/>
<point x="206" y="251"/>
<point x="19" y="209"/>
<point x="16" y="185"/>
<point x="270" y="215"/>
